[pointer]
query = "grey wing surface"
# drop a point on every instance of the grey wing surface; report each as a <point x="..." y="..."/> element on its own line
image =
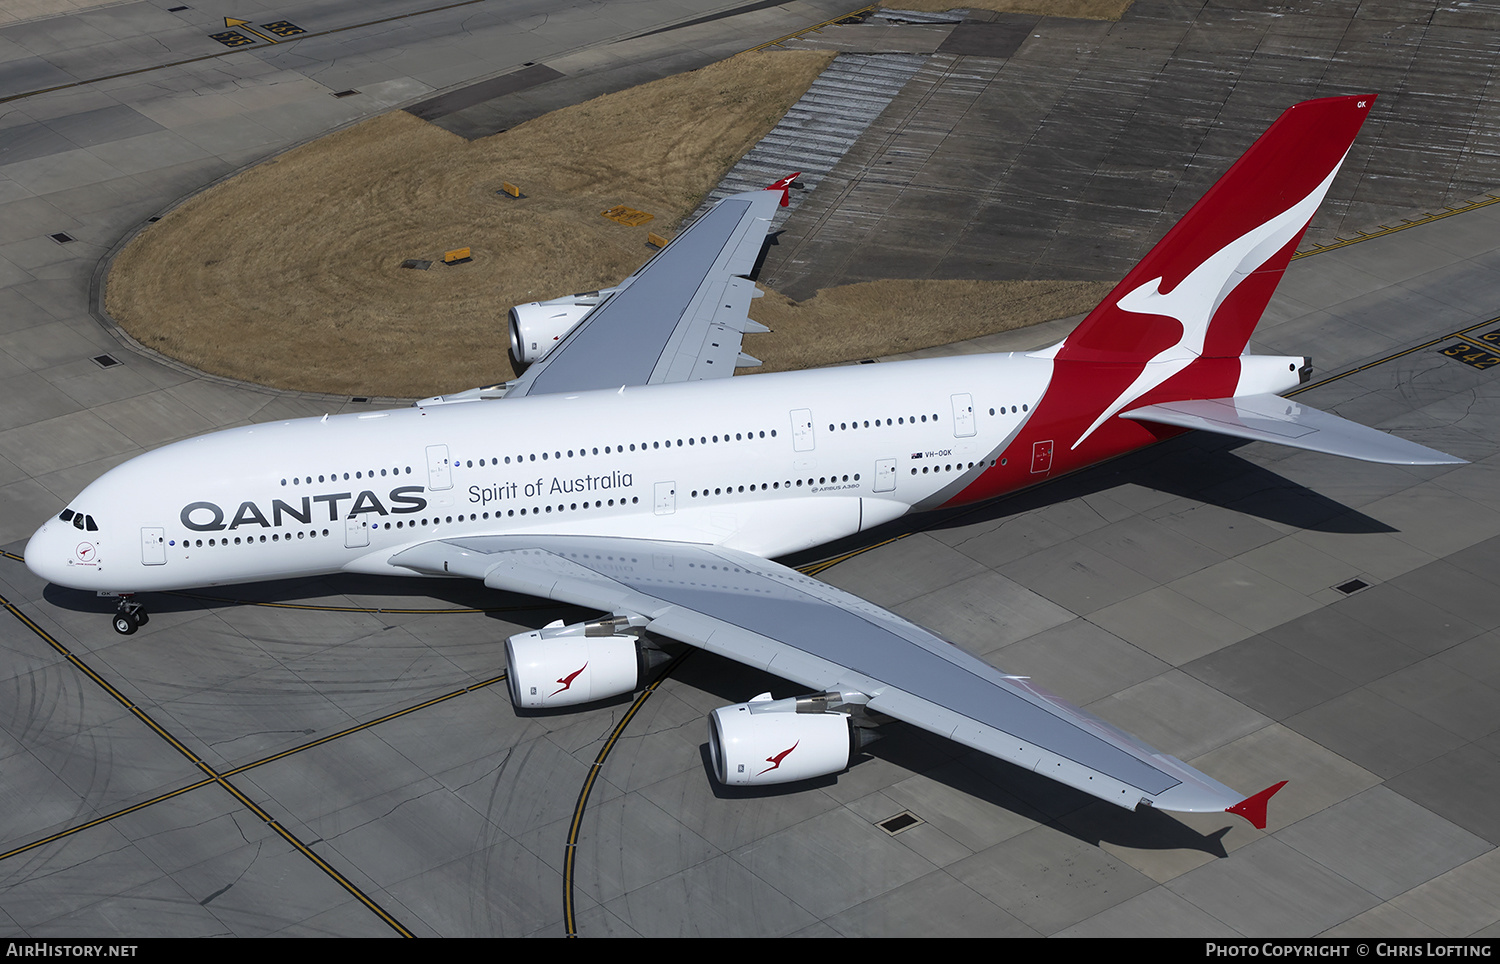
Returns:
<point x="1271" y="418"/>
<point x="766" y="615"/>
<point x="680" y="318"/>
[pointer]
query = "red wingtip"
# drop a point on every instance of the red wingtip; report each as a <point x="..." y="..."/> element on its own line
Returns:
<point x="1253" y="808"/>
<point x="784" y="186"/>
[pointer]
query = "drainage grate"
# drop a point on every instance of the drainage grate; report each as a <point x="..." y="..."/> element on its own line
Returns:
<point x="360" y="400"/>
<point x="62" y="238"/>
<point x="904" y="820"/>
<point x="178" y="9"/>
<point x="106" y="361"/>
<point x="345" y="93"/>
<point x="1352" y="586"/>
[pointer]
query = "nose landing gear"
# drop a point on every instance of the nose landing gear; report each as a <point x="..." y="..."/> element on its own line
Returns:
<point x="129" y="616"/>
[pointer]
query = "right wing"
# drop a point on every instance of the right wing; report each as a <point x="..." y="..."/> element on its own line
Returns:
<point x="680" y="318"/>
<point x="763" y="614"/>
<point x="1271" y="418"/>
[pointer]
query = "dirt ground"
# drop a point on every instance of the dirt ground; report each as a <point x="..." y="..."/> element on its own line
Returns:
<point x="290" y="274"/>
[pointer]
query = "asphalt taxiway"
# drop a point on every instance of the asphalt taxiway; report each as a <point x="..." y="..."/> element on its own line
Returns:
<point x="334" y="756"/>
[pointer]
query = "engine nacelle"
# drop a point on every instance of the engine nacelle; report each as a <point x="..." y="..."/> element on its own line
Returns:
<point x="769" y="741"/>
<point x="567" y="665"/>
<point x="536" y="328"/>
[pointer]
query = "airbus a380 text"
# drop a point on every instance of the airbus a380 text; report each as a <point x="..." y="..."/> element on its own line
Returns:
<point x="624" y="472"/>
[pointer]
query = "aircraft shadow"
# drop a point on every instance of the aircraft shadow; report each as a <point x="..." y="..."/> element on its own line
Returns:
<point x="1206" y="470"/>
<point x="338" y="590"/>
<point x="1024" y="797"/>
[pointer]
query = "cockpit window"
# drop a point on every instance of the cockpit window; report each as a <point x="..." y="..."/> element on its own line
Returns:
<point x="79" y="520"/>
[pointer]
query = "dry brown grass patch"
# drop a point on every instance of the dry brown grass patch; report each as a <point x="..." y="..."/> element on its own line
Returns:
<point x="289" y="274"/>
<point x="891" y="317"/>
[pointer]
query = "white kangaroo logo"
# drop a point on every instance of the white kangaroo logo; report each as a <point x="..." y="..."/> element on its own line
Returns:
<point x="1195" y="301"/>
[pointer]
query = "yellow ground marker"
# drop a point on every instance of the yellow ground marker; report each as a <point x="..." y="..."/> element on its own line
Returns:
<point x="627" y="216"/>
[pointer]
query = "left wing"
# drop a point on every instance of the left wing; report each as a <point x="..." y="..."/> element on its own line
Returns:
<point x="763" y="614"/>
<point x="680" y="318"/>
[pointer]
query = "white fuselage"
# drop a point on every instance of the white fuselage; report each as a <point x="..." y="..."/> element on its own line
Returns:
<point x="770" y="464"/>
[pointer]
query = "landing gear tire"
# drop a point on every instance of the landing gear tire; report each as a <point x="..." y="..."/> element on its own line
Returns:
<point x="129" y="616"/>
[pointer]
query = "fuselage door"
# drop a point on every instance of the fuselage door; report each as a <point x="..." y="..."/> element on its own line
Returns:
<point x="802" y="430"/>
<point x="885" y="475"/>
<point x="357" y="531"/>
<point x="153" y="546"/>
<point x="666" y="498"/>
<point x="439" y="469"/>
<point x="1041" y="457"/>
<point x="963" y="416"/>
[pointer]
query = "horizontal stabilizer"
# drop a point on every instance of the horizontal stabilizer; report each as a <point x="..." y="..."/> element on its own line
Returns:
<point x="1271" y="418"/>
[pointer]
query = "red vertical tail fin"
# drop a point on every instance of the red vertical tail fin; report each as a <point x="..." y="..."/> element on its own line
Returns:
<point x="1202" y="289"/>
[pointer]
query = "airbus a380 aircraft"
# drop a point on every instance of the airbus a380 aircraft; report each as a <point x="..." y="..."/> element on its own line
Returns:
<point x="625" y="472"/>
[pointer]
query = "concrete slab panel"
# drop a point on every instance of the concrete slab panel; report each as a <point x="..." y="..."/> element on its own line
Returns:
<point x="1390" y="610"/>
<point x="911" y="908"/>
<point x="152" y="419"/>
<point x="59" y="171"/>
<point x="611" y="865"/>
<point x="1460" y="902"/>
<point x="1269" y="889"/>
<point x="1372" y="732"/>
<point x="1048" y="880"/>
<point x="27" y="503"/>
<point x="1170" y="626"/>
<point x="1249" y="598"/>
<point x="1179" y="715"/>
<point x="1357" y="651"/>
<point x="102" y="125"/>
<point x="1157" y="913"/>
<point x="926" y="565"/>
<point x="462" y="898"/>
<point x="1436" y="691"/>
<point x="532" y="785"/>
<point x="1459" y="785"/>
<point x="1081" y="662"/>
<point x="1245" y="671"/>
<point x="1080" y="579"/>
<point x="80" y="871"/>
<point x="982" y="613"/>
<point x="760" y="910"/>
<point x="257" y="889"/>
<point x="1383" y="842"/>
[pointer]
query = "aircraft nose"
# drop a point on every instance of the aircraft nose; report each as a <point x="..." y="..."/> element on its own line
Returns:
<point x="44" y="554"/>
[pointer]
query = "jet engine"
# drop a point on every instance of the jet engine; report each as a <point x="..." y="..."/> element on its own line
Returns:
<point x="536" y="328"/>
<point x="565" y="665"/>
<point x="768" y="741"/>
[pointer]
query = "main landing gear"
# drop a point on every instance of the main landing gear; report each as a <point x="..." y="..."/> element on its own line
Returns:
<point x="129" y="616"/>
